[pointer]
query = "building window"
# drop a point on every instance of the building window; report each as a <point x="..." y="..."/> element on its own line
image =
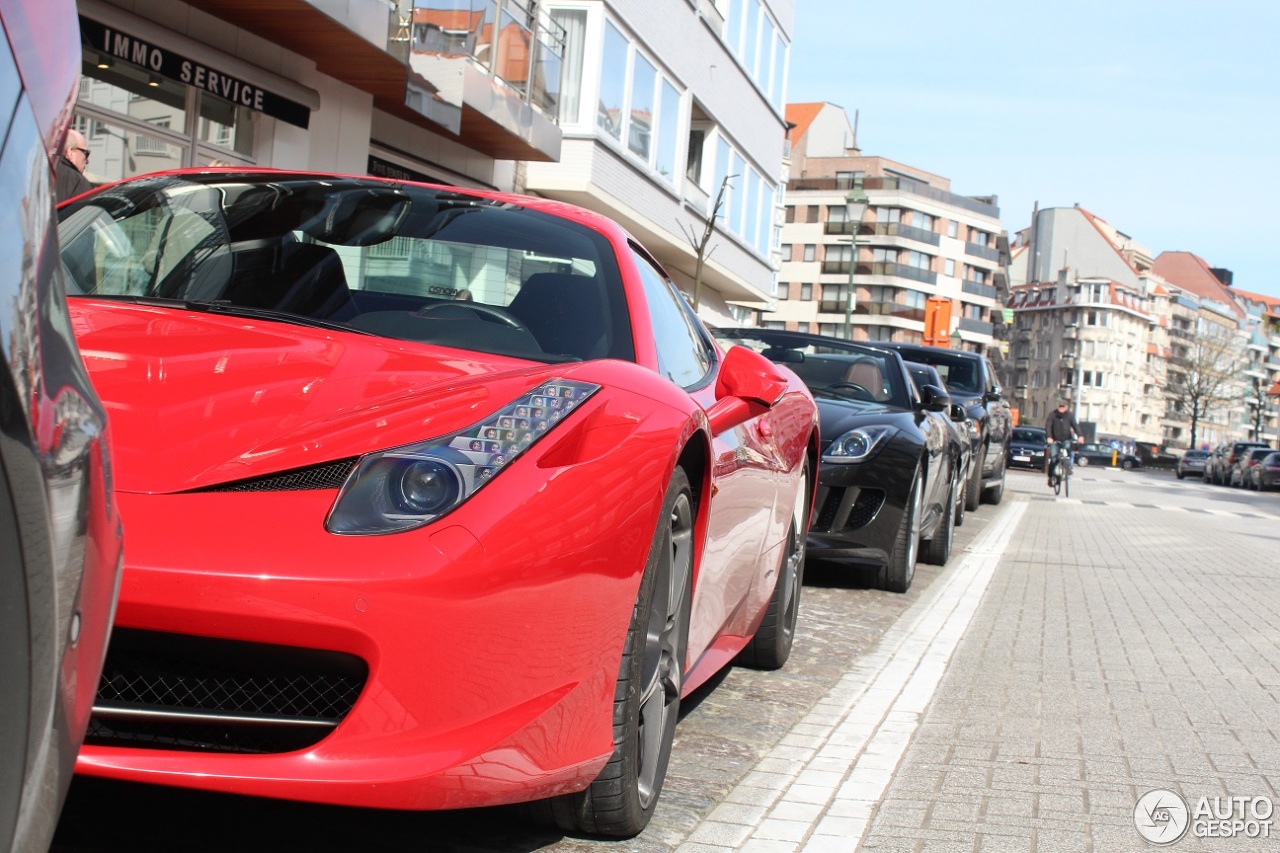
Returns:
<point x="574" y="24"/>
<point x="953" y="228"/>
<point x="888" y="214"/>
<point x="919" y="260"/>
<point x="790" y="215"/>
<point x="810" y="252"/>
<point x="643" y="80"/>
<point x="923" y="221"/>
<point x="613" y="82"/>
<point x="950" y="267"/>
<point x="811" y="213"/>
<point x="668" y="132"/>
<point x="806" y="292"/>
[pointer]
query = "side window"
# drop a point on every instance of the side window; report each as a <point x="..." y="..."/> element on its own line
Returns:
<point x="684" y="354"/>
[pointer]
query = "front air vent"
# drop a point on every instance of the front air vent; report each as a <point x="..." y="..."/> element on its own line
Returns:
<point x="173" y="691"/>
<point x="330" y="475"/>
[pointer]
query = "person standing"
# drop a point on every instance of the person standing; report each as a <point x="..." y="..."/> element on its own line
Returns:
<point x="71" y="165"/>
<point x="1059" y="426"/>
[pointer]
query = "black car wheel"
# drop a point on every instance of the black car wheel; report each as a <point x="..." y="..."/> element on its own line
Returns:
<point x="646" y="700"/>
<point x="1083" y="461"/>
<point x="938" y="548"/>
<point x="973" y="492"/>
<point x="771" y="645"/>
<point x="1127" y="464"/>
<point x="995" y="492"/>
<point x="897" y="574"/>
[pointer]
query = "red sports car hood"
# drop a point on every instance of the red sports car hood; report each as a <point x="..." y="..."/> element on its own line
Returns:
<point x="199" y="399"/>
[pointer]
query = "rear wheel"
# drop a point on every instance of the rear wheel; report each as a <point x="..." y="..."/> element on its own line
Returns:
<point x="973" y="491"/>
<point x="1056" y="478"/>
<point x="646" y="700"/>
<point x="1127" y="464"/>
<point x="771" y="645"/>
<point x="994" y="493"/>
<point x="897" y="574"/>
<point x="1083" y="461"/>
<point x="938" y="549"/>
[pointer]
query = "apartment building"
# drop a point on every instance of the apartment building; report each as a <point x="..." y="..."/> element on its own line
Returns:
<point x="490" y="94"/>
<point x="1133" y="340"/>
<point x="666" y="102"/>
<point x="868" y="240"/>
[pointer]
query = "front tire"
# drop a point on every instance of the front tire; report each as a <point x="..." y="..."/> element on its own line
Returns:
<point x="1127" y="464"/>
<point x="1083" y="461"/>
<point x="771" y="645"/>
<point x="646" y="703"/>
<point x="897" y="574"/>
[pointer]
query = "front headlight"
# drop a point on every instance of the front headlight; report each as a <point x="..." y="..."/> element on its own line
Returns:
<point x="406" y="487"/>
<point x="858" y="445"/>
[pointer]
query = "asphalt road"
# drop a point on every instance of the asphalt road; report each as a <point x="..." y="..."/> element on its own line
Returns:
<point x="725" y="729"/>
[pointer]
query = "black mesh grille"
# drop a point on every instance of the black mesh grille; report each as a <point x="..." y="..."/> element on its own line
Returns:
<point x="834" y="516"/>
<point x="330" y="475"/>
<point x="235" y="697"/>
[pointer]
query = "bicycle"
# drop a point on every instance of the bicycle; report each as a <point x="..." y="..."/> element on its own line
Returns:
<point x="1060" y="468"/>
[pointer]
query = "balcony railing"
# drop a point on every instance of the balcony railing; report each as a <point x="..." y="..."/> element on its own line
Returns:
<point x="515" y="41"/>
<point x="980" y="327"/>
<point x="897" y="229"/>
<point x="832" y="227"/>
<point x="978" y="289"/>
<point x="890" y="309"/>
<point x="924" y="190"/>
<point x="889" y="268"/>
<point x="980" y="251"/>
<point x="835" y="267"/>
<point x="832" y="306"/>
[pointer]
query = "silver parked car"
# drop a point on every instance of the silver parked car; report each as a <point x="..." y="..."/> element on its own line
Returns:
<point x="1191" y="464"/>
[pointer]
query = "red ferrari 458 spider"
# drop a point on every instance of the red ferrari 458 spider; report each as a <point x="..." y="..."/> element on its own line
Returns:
<point x="435" y="498"/>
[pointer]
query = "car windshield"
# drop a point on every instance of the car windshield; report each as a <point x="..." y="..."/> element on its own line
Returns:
<point x="395" y="260"/>
<point x="1196" y="454"/>
<point x="959" y="372"/>
<point x="831" y="368"/>
<point x="1029" y="434"/>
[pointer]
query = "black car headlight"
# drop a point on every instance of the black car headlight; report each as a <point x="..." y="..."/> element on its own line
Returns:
<point x="406" y="487"/>
<point x="858" y="444"/>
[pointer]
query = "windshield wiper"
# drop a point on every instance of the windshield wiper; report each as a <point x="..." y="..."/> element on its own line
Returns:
<point x="225" y="306"/>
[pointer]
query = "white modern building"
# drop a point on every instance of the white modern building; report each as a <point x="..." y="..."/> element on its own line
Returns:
<point x="638" y="109"/>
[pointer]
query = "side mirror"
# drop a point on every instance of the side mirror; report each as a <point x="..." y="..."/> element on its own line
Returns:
<point x="748" y="385"/>
<point x="958" y="414"/>
<point x="934" y="399"/>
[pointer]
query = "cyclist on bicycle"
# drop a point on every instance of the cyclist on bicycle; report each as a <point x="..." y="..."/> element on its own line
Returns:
<point x="1059" y="426"/>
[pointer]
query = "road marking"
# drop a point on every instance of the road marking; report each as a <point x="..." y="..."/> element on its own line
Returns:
<point x="817" y="790"/>
<point x="1229" y="513"/>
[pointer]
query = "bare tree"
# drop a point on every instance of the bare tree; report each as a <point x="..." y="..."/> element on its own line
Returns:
<point x="1256" y="396"/>
<point x="699" y="242"/>
<point x="1202" y="378"/>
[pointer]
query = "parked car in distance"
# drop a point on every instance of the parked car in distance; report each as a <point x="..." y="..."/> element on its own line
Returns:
<point x="1027" y="447"/>
<point x="1191" y="464"/>
<point x="1241" y="475"/>
<point x="1104" y="454"/>
<point x="971" y="381"/>
<point x="1224" y="458"/>
<point x="403" y="549"/>
<point x="891" y="473"/>
<point x="1266" y="474"/>
<point x="60" y="540"/>
<point x="962" y="427"/>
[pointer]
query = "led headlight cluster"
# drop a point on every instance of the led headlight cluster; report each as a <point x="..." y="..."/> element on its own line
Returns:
<point x="407" y="487"/>
<point x="858" y="444"/>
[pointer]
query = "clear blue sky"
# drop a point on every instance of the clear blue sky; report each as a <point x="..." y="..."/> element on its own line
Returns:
<point x="1162" y="117"/>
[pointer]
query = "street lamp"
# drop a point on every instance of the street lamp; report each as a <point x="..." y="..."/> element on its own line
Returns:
<point x="855" y="204"/>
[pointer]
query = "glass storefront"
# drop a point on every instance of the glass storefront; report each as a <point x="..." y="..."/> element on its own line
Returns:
<point x="135" y="122"/>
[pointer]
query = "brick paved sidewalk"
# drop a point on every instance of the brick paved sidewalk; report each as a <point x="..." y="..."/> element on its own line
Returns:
<point x="1119" y="649"/>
